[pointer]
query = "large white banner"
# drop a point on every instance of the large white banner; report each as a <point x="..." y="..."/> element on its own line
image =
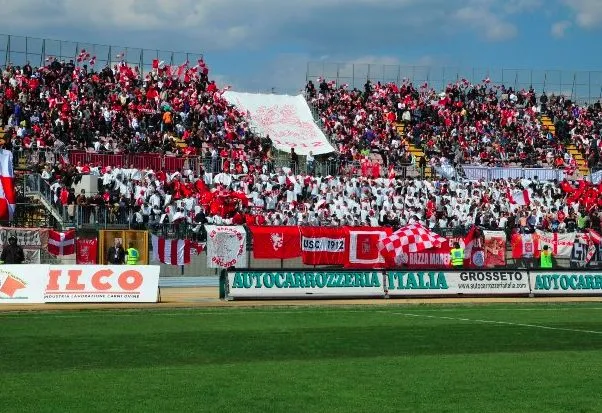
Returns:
<point x="566" y="282"/>
<point x="101" y="284"/>
<point x="305" y="284"/>
<point x="560" y="245"/>
<point x="407" y="283"/>
<point x="22" y="284"/>
<point x="286" y="119"/>
<point x="226" y="246"/>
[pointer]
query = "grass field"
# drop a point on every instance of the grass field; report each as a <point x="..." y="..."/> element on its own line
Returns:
<point x="495" y="358"/>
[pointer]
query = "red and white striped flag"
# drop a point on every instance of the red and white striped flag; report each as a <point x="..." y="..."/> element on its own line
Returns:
<point x="518" y="197"/>
<point x="593" y="239"/>
<point x="61" y="243"/>
<point x="174" y="251"/>
<point x="92" y="61"/>
<point x="7" y="186"/>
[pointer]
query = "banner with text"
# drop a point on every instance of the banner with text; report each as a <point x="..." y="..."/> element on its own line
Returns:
<point x="407" y="283"/>
<point x="566" y="283"/>
<point x="305" y="284"/>
<point x="286" y="119"/>
<point x="226" y="246"/>
<point x="101" y="283"/>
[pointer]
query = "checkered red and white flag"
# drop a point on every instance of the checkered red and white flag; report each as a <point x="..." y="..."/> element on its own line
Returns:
<point x="411" y="238"/>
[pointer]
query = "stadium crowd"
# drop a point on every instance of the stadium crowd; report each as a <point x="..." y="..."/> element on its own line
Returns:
<point x="145" y="197"/>
<point x="170" y="110"/>
<point x="477" y="124"/>
<point x="66" y="106"/>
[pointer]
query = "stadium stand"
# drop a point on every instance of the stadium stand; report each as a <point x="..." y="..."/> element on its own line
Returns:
<point x="123" y="126"/>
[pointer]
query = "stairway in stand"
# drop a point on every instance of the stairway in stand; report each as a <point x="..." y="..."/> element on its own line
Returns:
<point x="414" y="150"/>
<point x="581" y="162"/>
<point x="546" y="121"/>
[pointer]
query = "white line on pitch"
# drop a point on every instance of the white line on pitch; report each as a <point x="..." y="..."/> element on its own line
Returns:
<point x="472" y="320"/>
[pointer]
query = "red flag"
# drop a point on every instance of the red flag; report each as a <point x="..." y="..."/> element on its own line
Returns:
<point x="61" y="243"/>
<point x="524" y="245"/>
<point x="276" y="242"/>
<point x="7" y="186"/>
<point x="174" y="251"/>
<point x="495" y="248"/>
<point x="323" y="245"/>
<point x="474" y="257"/>
<point x="86" y="251"/>
<point x="363" y="250"/>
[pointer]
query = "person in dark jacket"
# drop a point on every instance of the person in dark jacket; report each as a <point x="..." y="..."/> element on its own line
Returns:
<point x="116" y="254"/>
<point x="12" y="253"/>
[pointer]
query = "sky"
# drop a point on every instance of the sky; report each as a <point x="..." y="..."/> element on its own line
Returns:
<point x="263" y="45"/>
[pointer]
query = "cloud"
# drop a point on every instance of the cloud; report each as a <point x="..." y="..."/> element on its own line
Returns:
<point x="318" y="26"/>
<point x="588" y="13"/>
<point x="558" y="29"/>
<point x="479" y="16"/>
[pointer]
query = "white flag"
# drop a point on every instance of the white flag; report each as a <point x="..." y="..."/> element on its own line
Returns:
<point x="226" y="246"/>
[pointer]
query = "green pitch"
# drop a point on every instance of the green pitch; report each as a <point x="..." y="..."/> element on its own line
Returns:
<point x="497" y="358"/>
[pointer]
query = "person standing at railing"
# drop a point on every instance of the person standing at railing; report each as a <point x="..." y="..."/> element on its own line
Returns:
<point x="294" y="161"/>
<point x="12" y="253"/>
<point x="310" y="161"/>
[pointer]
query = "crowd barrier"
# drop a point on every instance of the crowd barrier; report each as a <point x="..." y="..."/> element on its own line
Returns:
<point x="304" y="284"/>
<point x="39" y="284"/>
<point x="137" y="160"/>
<point x="489" y="173"/>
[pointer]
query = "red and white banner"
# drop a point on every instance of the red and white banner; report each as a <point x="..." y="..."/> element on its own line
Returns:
<point x="61" y="243"/>
<point x="278" y="242"/>
<point x="495" y="248"/>
<point x="437" y="257"/>
<point x="524" y="245"/>
<point x="561" y="245"/>
<point x="474" y="255"/>
<point x="86" y="252"/>
<point x="519" y="197"/>
<point x="101" y="283"/>
<point x="286" y="119"/>
<point x="174" y="251"/>
<point x="7" y="186"/>
<point x="363" y="251"/>
<point x="323" y="245"/>
<point x="226" y="246"/>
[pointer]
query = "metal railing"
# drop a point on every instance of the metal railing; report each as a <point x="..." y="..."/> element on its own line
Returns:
<point x="18" y="50"/>
<point x="33" y="215"/>
<point x="491" y="173"/>
<point x="581" y="86"/>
